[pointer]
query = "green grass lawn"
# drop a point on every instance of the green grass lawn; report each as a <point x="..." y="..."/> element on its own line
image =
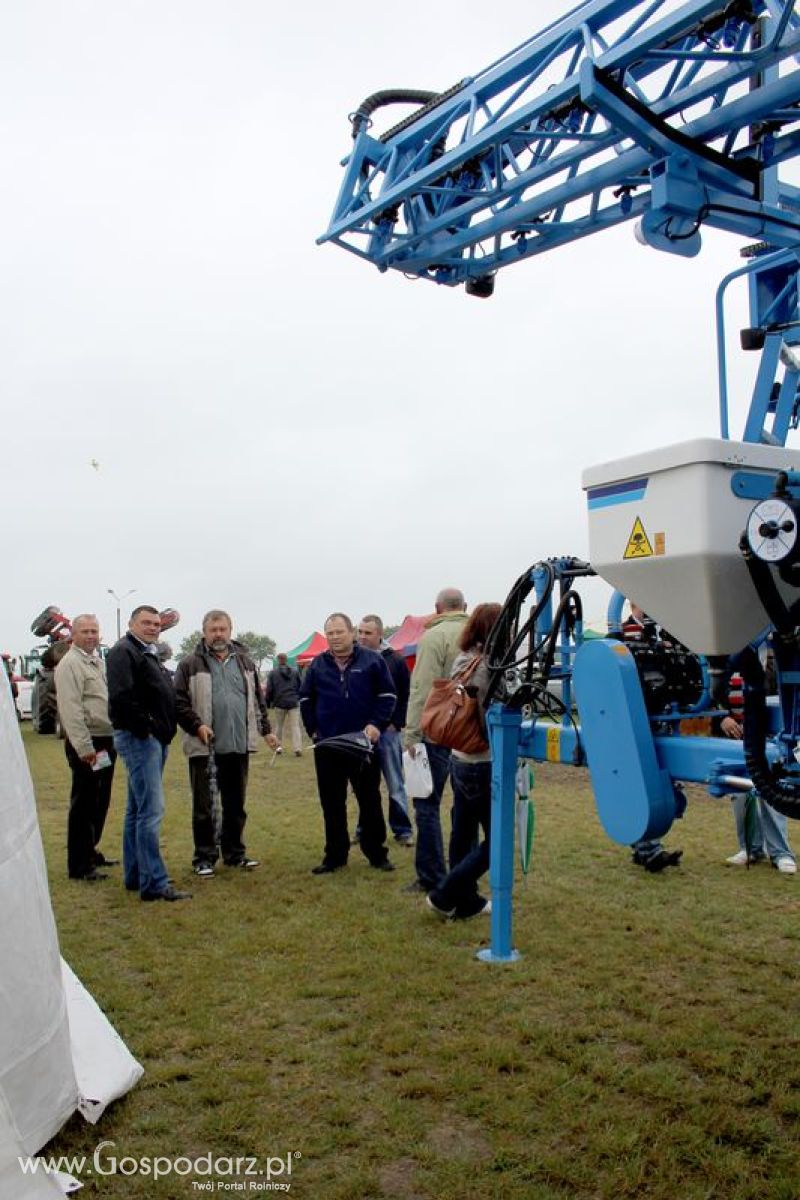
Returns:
<point x="646" y="1043"/>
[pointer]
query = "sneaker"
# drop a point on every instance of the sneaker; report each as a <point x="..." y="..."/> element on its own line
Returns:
<point x="383" y="866"/>
<point x="742" y="859"/>
<point x="246" y="864"/>
<point x="483" y="911"/>
<point x="446" y="914"/>
<point x="204" y="870"/>
<point x="413" y="888"/>
<point x="169" y="893"/>
<point x="404" y="839"/>
<point x="326" y="868"/>
<point x="664" y="858"/>
<point x="786" y="865"/>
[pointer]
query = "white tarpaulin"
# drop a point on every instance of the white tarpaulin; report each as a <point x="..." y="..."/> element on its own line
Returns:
<point x="104" y="1066"/>
<point x="13" y="1184"/>
<point x="47" y="1069"/>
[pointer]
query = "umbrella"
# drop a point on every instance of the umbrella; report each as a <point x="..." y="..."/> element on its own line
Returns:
<point x="213" y="791"/>
<point x="526" y="815"/>
<point x="355" y="744"/>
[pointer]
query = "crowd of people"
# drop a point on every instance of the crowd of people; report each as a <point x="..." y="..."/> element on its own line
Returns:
<point x="359" y="706"/>
<point x="361" y="709"/>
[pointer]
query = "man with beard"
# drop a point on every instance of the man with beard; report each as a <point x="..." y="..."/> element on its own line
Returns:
<point x="219" y="701"/>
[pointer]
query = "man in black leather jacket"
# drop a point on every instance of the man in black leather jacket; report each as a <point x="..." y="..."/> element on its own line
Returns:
<point x="141" y="704"/>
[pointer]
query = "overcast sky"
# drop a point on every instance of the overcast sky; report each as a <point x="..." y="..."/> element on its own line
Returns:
<point x="281" y="430"/>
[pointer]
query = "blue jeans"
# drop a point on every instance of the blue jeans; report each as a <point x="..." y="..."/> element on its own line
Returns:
<point x="143" y="865"/>
<point x="771" y="830"/>
<point x="472" y="806"/>
<point x="429" y="857"/>
<point x="390" y="753"/>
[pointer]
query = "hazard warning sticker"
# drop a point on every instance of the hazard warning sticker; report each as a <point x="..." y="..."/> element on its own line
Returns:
<point x="638" y="543"/>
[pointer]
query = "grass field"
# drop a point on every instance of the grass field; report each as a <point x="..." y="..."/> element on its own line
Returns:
<point x="646" y="1044"/>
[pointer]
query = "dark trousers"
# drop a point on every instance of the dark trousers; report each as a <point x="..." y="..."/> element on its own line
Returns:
<point x="429" y="856"/>
<point x="335" y="770"/>
<point x="472" y="806"/>
<point x="88" y="806"/>
<point x="232" y="783"/>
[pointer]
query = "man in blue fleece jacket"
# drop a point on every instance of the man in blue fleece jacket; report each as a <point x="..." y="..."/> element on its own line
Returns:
<point x="348" y="689"/>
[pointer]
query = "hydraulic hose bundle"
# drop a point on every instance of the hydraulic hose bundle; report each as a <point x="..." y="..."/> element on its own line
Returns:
<point x="781" y="791"/>
<point x="519" y="676"/>
<point x="777" y="784"/>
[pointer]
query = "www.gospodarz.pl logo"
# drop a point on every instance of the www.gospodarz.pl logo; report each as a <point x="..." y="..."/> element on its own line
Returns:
<point x="207" y="1172"/>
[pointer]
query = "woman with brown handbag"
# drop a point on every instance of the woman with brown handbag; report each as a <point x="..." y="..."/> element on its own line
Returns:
<point x="458" y="898"/>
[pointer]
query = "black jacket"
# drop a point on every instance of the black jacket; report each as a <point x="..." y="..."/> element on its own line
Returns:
<point x="141" y="696"/>
<point x="401" y="677"/>
<point x="283" y="687"/>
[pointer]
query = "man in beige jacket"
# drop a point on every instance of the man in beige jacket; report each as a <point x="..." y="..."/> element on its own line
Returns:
<point x="82" y="697"/>
<point x="436" y="654"/>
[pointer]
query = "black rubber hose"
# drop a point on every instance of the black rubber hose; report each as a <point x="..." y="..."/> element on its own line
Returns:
<point x="366" y="108"/>
<point x="570" y="600"/>
<point x="766" y="589"/>
<point x="781" y="794"/>
<point x="506" y="636"/>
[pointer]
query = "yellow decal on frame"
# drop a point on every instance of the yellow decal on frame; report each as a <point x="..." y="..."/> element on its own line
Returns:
<point x="553" y="748"/>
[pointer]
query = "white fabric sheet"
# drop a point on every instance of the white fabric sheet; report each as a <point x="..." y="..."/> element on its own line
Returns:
<point x="58" y="1052"/>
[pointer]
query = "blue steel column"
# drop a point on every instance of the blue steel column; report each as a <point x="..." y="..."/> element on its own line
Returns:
<point x="504" y="729"/>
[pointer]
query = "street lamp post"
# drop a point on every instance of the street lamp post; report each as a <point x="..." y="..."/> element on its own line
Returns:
<point x="119" y="600"/>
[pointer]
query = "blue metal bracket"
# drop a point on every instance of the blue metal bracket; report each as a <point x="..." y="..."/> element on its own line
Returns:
<point x="504" y="726"/>
<point x="751" y="485"/>
<point x="635" y="797"/>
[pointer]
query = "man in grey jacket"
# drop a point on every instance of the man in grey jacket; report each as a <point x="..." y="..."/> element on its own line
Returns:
<point x="82" y="696"/>
<point x="219" y="700"/>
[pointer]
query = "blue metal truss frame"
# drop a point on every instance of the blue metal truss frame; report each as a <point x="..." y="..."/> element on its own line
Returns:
<point x="622" y="108"/>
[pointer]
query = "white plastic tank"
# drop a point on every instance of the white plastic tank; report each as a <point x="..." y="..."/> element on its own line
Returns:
<point x="664" y="528"/>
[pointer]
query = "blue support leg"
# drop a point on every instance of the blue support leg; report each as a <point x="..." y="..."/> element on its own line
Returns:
<point x="504" y="729"/>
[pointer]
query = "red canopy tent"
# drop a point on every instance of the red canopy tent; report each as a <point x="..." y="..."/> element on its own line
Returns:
<point x="291" y="655"/>
<point x="317" y="644"/>
<point x="404" y="640"/>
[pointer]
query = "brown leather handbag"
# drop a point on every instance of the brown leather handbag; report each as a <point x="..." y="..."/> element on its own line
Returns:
<point x="452" y="717"/>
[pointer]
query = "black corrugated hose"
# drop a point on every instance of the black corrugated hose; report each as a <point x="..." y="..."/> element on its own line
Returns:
<point x="367" y="107"/>
<point x="780" y="790"/>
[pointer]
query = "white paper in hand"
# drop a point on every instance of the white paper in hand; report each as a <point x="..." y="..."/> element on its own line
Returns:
<point x="417" y="771"/>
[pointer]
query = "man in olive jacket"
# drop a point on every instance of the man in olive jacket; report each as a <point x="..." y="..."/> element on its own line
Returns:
<point x="436" y="654"/>
<point x="219" y="700"/>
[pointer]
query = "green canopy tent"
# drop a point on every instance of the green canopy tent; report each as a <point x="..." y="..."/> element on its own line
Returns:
<point x="291" y="655"/>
